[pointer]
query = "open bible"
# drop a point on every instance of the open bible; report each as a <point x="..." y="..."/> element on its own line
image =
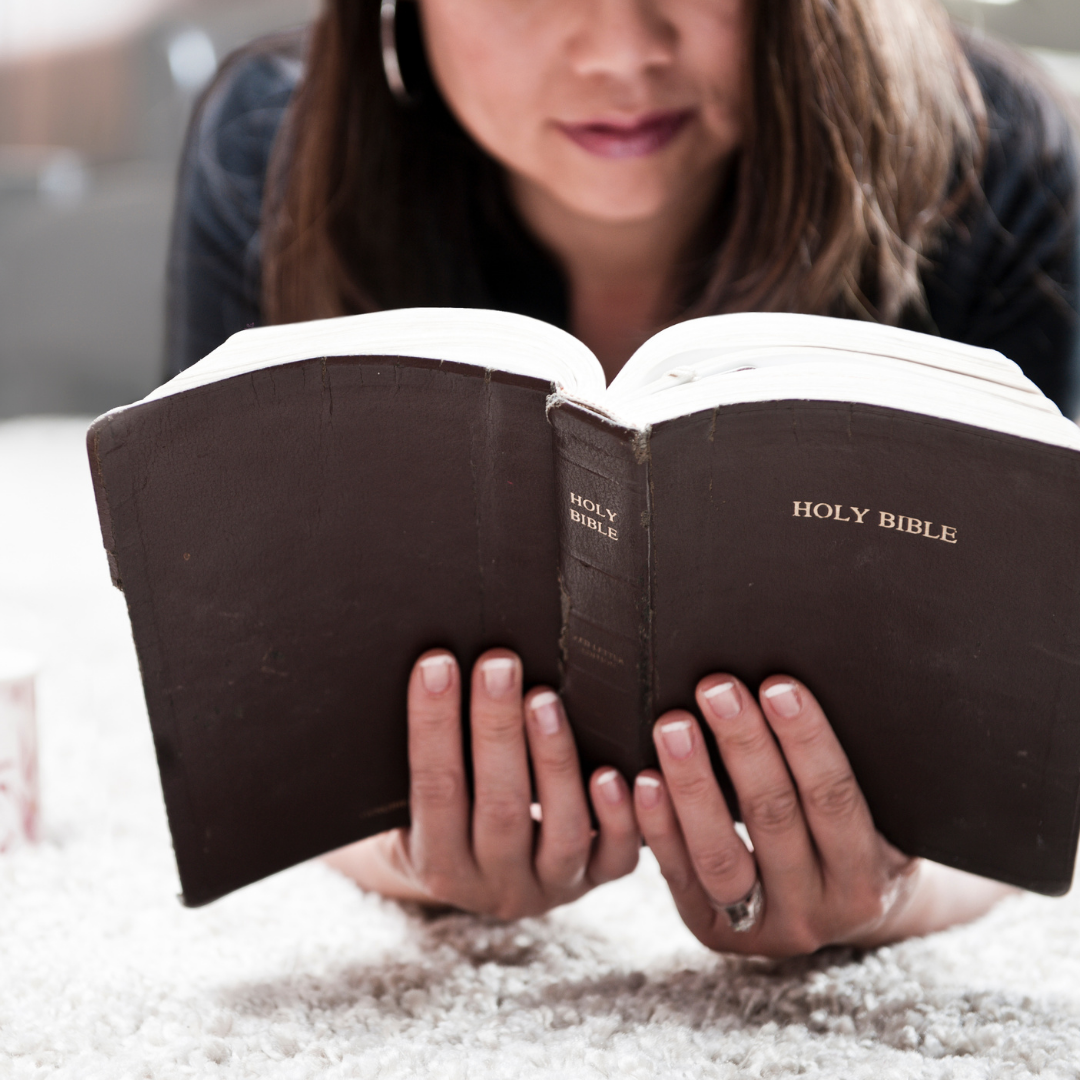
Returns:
<point x="890" y="517"/>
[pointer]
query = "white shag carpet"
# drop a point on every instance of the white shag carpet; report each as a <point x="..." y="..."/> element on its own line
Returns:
<point x="104" y="974"/>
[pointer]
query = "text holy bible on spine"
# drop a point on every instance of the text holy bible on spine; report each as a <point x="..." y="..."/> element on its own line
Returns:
<point x="891" y="518"/>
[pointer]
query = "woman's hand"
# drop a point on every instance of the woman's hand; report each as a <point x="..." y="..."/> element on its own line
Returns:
<point x="487" y="855"/>
<point x="827" y="875"/>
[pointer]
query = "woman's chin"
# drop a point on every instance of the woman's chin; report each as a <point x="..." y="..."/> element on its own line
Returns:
<point x="613" y="202"/>
<point x="629" y="191"/>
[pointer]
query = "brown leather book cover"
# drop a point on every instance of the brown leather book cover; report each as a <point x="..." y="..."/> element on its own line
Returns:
<point x="289" y="540"/>
<point x="921" y="576"/>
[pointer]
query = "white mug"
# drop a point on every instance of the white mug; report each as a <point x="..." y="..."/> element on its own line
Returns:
<point x="18" y="750"/>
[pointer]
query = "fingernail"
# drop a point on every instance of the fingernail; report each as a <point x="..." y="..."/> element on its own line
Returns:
<point x="784" y="698"/>
<point x="435" y="673"/>
<point x="545" y="708"/>
<point x="609" y="786"/>
<point x="498" y="675"/>
<point x="678" y="741"/>
<point x="648" y="791"/>
<point x="724" y="700"/>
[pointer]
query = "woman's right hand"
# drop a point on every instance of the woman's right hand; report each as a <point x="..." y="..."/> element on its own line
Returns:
<point x="821" y="872"/>
<point x="486" y="854"/>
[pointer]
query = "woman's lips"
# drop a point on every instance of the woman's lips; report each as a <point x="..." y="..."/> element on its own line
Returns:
<point x="638" y="139"/>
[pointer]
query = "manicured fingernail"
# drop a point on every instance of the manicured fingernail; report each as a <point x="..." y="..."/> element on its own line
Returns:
<point x="498" y="674"/>
<point x="724" y="700"/>
<point x="609" y="786"/>
<point x="535" y="811"/>
<point x="546" y="709"/>
<point x="648" y="791"/>
<point x="435" y="673"/>
<point x="784" y="698"/>
<point x="678" y="741"/>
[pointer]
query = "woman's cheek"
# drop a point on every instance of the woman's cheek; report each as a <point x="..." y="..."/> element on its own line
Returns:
<point x="717" y="59"/>
<point x="493" y="71"/>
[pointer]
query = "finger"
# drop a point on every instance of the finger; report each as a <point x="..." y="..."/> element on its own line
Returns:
<point x="618" y="841"/>
<point x="724" y="866"/>
<point x="768" y="799"/>
<point x="502" y="826"/>
<point x="438" y="797"/>
<point x="565" y="841"/>
<point x="831" y="799"/>
<point x="660" y="828"/>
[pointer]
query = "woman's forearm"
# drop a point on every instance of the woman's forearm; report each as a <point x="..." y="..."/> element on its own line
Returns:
<point x="939" y="897"/>
<point x="371" y="863"/>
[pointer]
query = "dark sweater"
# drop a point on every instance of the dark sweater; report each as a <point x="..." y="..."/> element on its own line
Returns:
<point x="1007" y="277"/>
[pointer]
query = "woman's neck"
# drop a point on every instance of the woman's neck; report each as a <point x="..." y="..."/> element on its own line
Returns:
<point x="622" y="275"/>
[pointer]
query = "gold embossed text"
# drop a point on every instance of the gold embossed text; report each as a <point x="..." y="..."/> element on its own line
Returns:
<point x="592" y="515"/>
<point x="914" y="526"/>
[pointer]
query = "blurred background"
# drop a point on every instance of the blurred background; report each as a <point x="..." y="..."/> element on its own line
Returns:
<point x="94" y="100"/>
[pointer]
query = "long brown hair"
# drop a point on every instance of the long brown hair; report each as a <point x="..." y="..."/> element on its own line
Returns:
<point x="865" y="138"/>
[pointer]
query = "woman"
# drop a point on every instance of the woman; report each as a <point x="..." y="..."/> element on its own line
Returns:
<point x="611" y="166"/>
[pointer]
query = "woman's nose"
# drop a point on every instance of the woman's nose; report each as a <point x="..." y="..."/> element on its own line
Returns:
<point x="621" y="38"/>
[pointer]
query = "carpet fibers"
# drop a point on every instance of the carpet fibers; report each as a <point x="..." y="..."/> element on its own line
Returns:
<point x="104" y="974"/>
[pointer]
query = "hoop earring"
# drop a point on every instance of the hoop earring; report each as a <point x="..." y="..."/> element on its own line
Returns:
<point x="390" y="63"/>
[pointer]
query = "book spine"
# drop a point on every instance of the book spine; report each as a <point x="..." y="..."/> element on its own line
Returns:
<point x="603" y="525"/>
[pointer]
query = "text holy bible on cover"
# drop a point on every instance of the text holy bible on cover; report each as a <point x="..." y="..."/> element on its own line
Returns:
<point x="892" y="518"/>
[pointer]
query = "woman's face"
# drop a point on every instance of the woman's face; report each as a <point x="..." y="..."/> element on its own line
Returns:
<point x="617" y="109"/>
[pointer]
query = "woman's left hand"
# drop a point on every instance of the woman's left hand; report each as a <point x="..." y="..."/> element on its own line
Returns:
<point x="481" y="850"/>
<point x="827" y="875"/>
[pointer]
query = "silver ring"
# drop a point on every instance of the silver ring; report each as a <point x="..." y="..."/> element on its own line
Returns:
<point x="743" y="914"/>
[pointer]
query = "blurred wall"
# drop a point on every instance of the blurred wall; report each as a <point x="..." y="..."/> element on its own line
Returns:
<point x="1049" y="24"/>
<point x="88" y="144"/>
<point x="129" y="98"/>
<point x="89" y="140"/>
